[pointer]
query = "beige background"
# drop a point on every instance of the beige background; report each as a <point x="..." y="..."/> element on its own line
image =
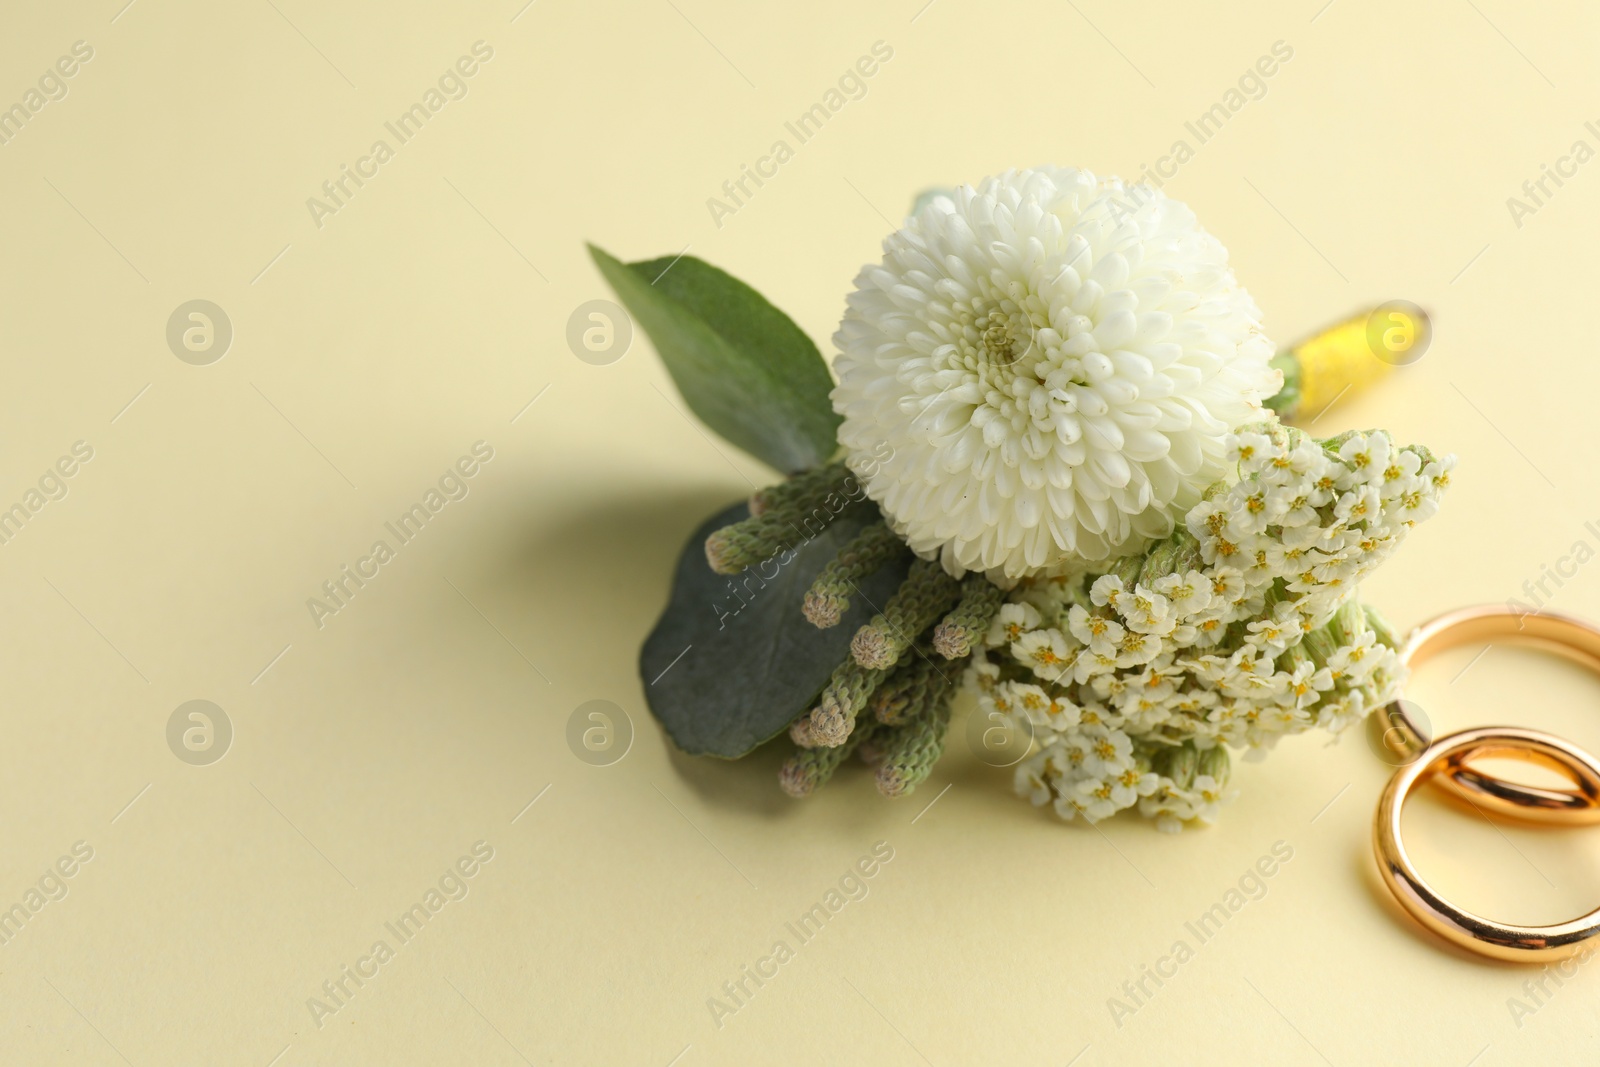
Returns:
<point x="370" y="353"/>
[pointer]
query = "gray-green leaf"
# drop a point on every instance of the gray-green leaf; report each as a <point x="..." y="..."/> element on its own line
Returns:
<point x="742" y="365"/>
<point x="732" y="661"/>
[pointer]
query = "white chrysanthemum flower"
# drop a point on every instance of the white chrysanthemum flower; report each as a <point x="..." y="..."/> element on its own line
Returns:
<point x="1055" y="361"/>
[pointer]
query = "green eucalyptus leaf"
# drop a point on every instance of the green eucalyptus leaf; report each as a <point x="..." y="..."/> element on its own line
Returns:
<point x="742" y="365"/>
<point x="732" y="661"/>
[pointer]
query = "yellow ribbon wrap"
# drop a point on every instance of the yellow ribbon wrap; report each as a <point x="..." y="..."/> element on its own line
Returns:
<point x="1352" y="355"/>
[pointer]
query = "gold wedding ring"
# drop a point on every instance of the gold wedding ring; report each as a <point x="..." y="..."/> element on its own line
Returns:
<point x="1473" y="932"/>
<point x="1562" y="634"/>
<point x="1447" y="761"/>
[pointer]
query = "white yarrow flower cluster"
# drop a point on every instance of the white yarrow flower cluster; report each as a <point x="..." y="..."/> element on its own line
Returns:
<point x="1054" y="360"/>
<point x="1240" y="629"/>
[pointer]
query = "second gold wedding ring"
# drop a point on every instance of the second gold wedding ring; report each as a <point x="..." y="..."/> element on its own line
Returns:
<point x="1564" y="635"/>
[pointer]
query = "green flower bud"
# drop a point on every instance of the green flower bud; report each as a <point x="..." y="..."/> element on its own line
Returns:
<point x="1215" y="762"/>
<point x="800" y="732"/>
<point x="801" y="492"/>
<point x="829" y="596"/>
<point x="842" y="700"/>
<point x="1321" y="644"/>
<point x="1348" y="623"/>
<point x="783" y="516"/>
<point x="893" y="702"/>
<point x="1160" y="561"/>
<point x="921" y="599"/>
<point x="910" y="751"/>
<point x="968" y="622"/>
<point x="1380" y="626"/>
<point x="810" y="768"/>
<point x="1188" y="557"/>
<point x="1179" y="762"/>
<point x="1127" y="568"/>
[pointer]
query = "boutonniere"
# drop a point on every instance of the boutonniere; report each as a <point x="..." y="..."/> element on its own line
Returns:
<point x="1057" y="471"/>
